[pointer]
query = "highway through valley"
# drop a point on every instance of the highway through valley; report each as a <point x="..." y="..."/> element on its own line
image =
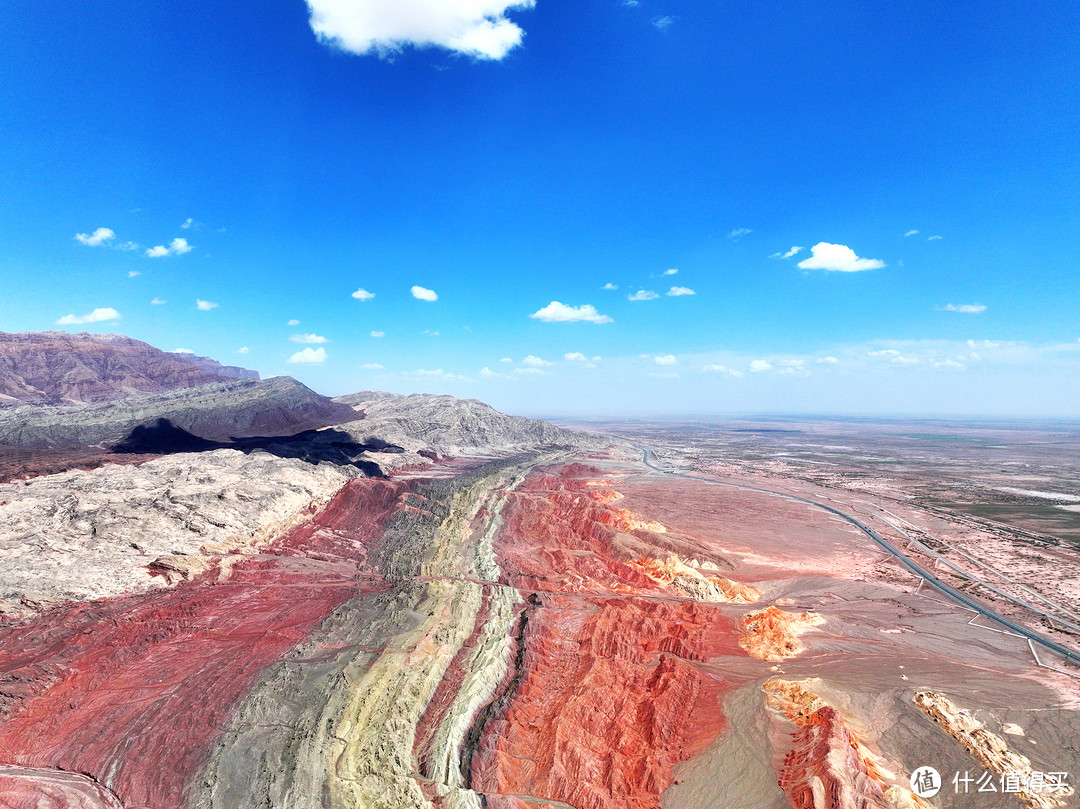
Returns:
<point x="911" y="565"/>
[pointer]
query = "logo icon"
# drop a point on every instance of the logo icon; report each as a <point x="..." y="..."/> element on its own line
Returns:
<point x="926" y="782"/>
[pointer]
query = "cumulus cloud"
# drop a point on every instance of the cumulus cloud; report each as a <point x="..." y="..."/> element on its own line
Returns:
<point x="576" y="356"/>
<point x="669" y="272"/>
<point x="965" y="308"/>
<point x="378" y="333"/>
<point x="97" y="238"/>
<point x="243" y="350"/>
<point x="505" y="359"/>
<point x="424" y="294"/>
<point x="556" y="312"/>
<point x="610" y="285"/>
<point x="477" y="28"/>
<point x="371" y="366"/>
<point x="838" y="258"/>
<point x="134" y="273"/>
<point x="177" y="247"/>
<point x="535" y="362"/>
<point x="205" y="306"/>
<point x="190" y="224"/>
<point x="314" y="339"/>
<point x="665" y="359"/>
<point x="309" y="356"/>
<point x="642" y="295"/>
<point x="911" y="233"/>
<point x="157" y="301"/>
<point x="827" y="361"/>
<point x="735" y="234"/>
<point x="677" y="291"/>
<point x="97" y="316"/>
<point x="293" y="322"/>
<point x="363" y="295"/>
<point x="958" y="366"/>
<point x="664" y="22"/>
<point x="795" y="249"/>
<point x="487" y="372"/>
<point x="933" y="238"/>
<point x="759" y="366"/>
<point x="713" y="368"/>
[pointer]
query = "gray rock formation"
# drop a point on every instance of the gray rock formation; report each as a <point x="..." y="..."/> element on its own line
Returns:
<point x="58" y="368"/>
<point x="219" y="410"/>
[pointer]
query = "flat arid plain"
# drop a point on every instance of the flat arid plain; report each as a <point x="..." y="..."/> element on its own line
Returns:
<point x="221" y="591"/>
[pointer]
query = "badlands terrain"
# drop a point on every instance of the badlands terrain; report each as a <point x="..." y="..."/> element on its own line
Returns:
<point x="221" y="591"/>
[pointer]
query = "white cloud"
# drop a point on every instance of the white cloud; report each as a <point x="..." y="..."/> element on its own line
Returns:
<point x="965" y="308"/>
<point x="363" y="295"/>
<point x="713" y="368"/>
<point x="430" y="333"/>
<point x="371" y="366"/>
<point x="378" y="334"/>
<point x="676" y="291"/>
<point x="556" y="312"/>
<point x="792" y="363"/>
<point x="487" y="372"/>
<point x="190" y="224"/>
<point x="177" y="247"/>
<point x="669" y="272"/>
<point x="959" y="366"/>
<point x="439" y="372"/>
<point x="610" y="285"/>
<point x="735" y="234"/>
<point x="506" y="359"/>
<point x="576" y="356"/>
<point x="663" y="23"/>
<point x="911" y="233"/>
<point x="205" y="306"/>
<point x="309" y="356"/>
<point x="134" y="273"/>
<point x="127" y="247"/>
<point x="838" y="258"/>
<point x="98" y="315"/>
<point x="827" y="361"/>
<point x="477" y="28"/>
<point x="933" y="238"/>
<point x="665" y="359"/>
<point x="243" y="350"/>
<point x="97" y="238"/>
<point x="424" y="294"/>
<point x="795" y="249"/>
<point x="293" y="322"/>
<point x="535" y="362"/>
<point x="759" y="366"/>
<point x="157" y="301"/>
<point x="642" y="295"/>
<point x="314" y="339"/>
<point x="181" y="351"/>
<point x="983" y="345"/>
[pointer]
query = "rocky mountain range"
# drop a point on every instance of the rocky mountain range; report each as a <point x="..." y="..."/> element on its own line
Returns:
<point x="58" y="368"/>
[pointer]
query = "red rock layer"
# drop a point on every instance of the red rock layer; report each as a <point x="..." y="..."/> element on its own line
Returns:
<point x="560" y="534"/>
<point x="608" y="703"/>
<point x="133" y="691"/>
<point x="606" y="696"/>
<point x="826" y="769"/>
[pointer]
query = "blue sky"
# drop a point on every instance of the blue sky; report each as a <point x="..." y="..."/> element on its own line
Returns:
<point x="923" y="156"/>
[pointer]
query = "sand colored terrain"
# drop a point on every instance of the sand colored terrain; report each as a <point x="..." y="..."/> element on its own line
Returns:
<point x="989" y="749"/>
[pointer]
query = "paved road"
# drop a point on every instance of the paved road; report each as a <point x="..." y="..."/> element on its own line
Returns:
<point x="914" y="567"/>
